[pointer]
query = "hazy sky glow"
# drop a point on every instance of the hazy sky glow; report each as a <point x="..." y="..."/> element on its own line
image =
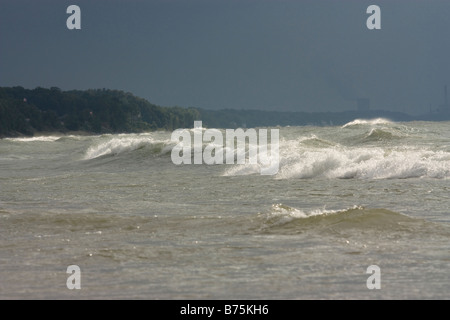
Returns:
<point x="245" y="54"/>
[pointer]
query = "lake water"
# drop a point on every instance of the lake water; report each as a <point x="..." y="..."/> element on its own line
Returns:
<point x="140" y="227"/>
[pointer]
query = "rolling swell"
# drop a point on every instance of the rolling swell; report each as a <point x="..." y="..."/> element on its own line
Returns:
<point x="379" y="135"/>
<point x="357" y="220"/>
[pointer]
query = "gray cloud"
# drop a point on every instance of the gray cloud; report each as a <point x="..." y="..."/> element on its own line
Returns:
<point x="268" y="54"/>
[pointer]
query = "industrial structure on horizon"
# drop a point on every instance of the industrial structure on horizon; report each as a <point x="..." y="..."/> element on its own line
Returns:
<point x="444" y="108"/>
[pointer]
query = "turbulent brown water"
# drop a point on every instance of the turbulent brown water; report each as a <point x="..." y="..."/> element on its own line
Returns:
<point x="372" y="192"/>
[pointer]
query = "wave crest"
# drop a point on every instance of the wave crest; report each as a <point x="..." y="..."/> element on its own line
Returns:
<point x="282" y="219"/>
<point x="371" y="122"/>
<point x="125" y="143"/>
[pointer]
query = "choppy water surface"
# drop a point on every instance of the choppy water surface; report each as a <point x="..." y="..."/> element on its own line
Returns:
<point x="371" y="192"/>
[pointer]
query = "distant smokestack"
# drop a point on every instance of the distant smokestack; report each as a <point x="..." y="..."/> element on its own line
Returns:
<point x="445" y="96"/>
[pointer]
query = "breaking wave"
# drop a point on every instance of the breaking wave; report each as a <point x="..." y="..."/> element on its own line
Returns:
<point x="120" y="144"/>
<point x="377" y="149"/>
<point x="371" y="122"/>
<point x="346" y="162"/>
<point x="365" y="163"/>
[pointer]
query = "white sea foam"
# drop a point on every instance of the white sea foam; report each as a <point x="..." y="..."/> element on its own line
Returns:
<point x="366" y="163"/>
<point x="35" y="139"/>
<point x="335" y="161"/>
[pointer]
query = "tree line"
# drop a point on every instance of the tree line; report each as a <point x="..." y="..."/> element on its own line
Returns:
<point x="28" y="111"/>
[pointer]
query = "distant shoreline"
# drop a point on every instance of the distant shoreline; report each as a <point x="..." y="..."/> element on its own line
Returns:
<point x="87" y="133"/>
<point x="40" y="111"/>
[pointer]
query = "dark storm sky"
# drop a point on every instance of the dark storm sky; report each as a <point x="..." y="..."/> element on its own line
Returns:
<point x="245" y="54"/>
